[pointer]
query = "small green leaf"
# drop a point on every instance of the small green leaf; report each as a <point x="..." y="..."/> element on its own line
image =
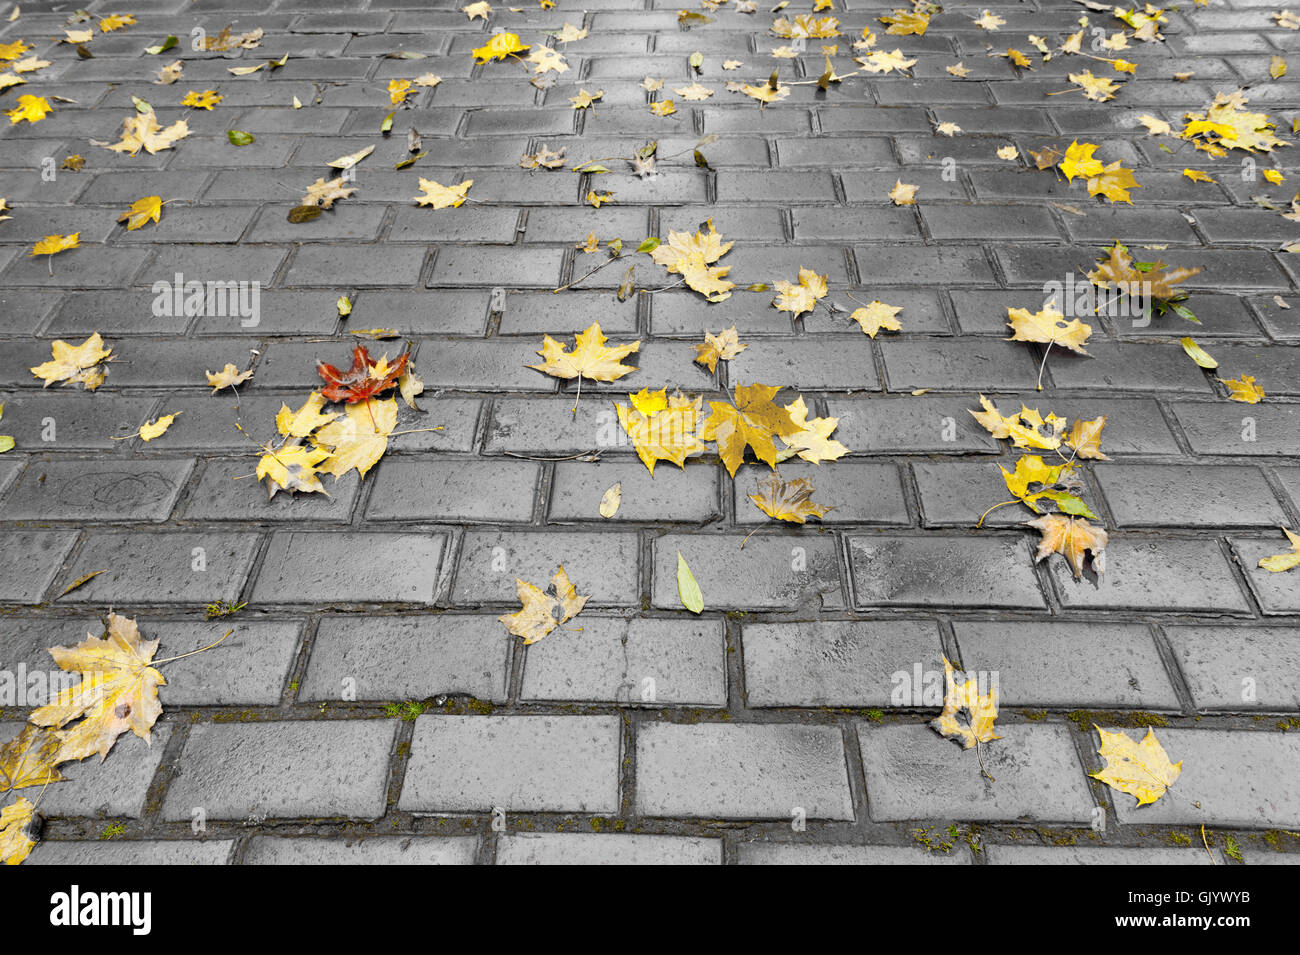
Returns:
<point x="696" y="61"/>
<point x="1185" y="312"/>
<point x="6" y="443"/>
<point x="276" y="64"/>
<point x="648" y="244"/>
<point x="687" y="588"/>
<point x="141" y="106"/>
<point x="165" y="45"/>
<point x="344" y="306"/>
<point x="304" y="213"/>
<point x="591" y="167"/>
<point x="238" y="137"/>
<point x="1069" y="504"/>
<point x="410" y="160"/>
<point x="386" y="126"/>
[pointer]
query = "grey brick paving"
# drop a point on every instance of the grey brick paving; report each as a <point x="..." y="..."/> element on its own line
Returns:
<point x="639" y="724"/>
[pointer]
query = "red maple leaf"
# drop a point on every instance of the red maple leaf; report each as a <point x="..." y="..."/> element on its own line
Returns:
<point x="358" y="383"/>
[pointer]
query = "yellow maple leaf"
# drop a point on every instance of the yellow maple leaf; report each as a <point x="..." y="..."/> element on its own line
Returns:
<point x="398" y="90"/>
<point x="14" y="50"/>
<point x="1097" y="88"/>
<point x="1085" y="438"/>
<point x="1244" y="389"/>
<point x="802" y="297"/>
<point x="115" y="21"/>
<point x="569" y="33"/>
<point x="8" y="79"/>
<point x="1139" y="769"/>
<point x="53" y="244"/>
<point x="882" y="62"/>
<point x="1155" y="127"/>
<point x="664" y="107"/>
<point x="981" y="710"/>
<point x="30" y="65"/>
<point x="480" y="10"/>
<point x="141" y="212"/>
<point x="1079" y="161"/>
<point x="33" y="109"/>
<point x="547" y="60"/>
<point x="903" y="194"/>
<point x="541" y="613"/>
<point x="753" y="421"/>
<point x="1274" y="176"/>
<point x="442" y="197"/>
<point x="692" y="257"/>
<point x="360" y="439"/>
<point x="584" y="99"/>
<point x="590" y="357"/>
<point x="662" y="428"/>
<point x="725" y="346"/>
<point x="228" y="377"/>
<point x="989" y="21"/>
<point x="205" y="100"/>
<point x="1197" y="175"/>
<point x="75" y="363"/>
<point x="291" y="467"/>
<point x="1072" y="538"/>
<point x="806" y="26"/>
<point x="787" y="500"/>
<point x="324" y="192"/>
<point x="16" y="831"/>
<point x="598" y="199"/>
<point x="696" y="92"/>
<point x="1113" y="182"/>
<point x="118" y="691"/>
<point x="813" y="441"/>
<point x="906" y="23"/>
<point x="1048" y="325"/>
<point x="499" y="47"/>
<point x="876" y="316"/>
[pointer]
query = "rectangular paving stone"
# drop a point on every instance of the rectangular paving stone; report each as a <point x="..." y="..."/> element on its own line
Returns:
<point x="1127" y="367"/>
<point x="965" y="364"/>
<point x="516" y="763"/>
<point x="741" y="771"/>
<point x="29" y="562"/>
<point x="1241" y="669"/>
<point x="548" y="426"/>
<point x="316" y="769"/>
<point x="688" y="495"/>
<point x="377" y="266"/>
<point x="858" y="492"/>
<point x="1153" y="574"/>
<point x="160" y="852"/>
<point x="1200" y="495"/>
<point x="773" y="572"/>
<point x="943" y="571"/>
<point x="1215" y="428"/>
<point x="792" y="853"/>
<point x="490" y="365"/>
<point x="407" y="658"/>
<point x="419" y="488"/>
<point x="1230" y="779"/>
<point x="154" y="567"/>
<point x="578" y="848"/>
<point x="375" y="850"/>
<point x="1096" y="855"/>
<point x="67" y="489"/>
<point x="1276" y="594"/>
<point x="838" y="663"/>
<point x="914" y="773"/>
<point x="602" y="565"/>
<point x="909" y="423"/>
<point x="649" y="662"/>
<point x="808" y="363"/>
<point x="224" y="493"/>
<point x="1053" y="664"/>
<point x="349" y="567"/>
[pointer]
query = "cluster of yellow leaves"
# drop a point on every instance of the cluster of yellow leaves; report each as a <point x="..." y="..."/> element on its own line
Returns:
<point x="76" y="363"/>
<point x="692" y="257"/>
<point x="1029" y="429"/>
<point x="806" y="26"/>
<point x="1112" y="181"/>
<point x="1226" y="125"/>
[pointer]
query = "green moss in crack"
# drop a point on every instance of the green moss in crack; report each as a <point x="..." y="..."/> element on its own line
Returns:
<point x="113" y="831"/>
<point x="1232" y="849"/>
<point x="405" y="711"/>
<point x="1034" y="715"/>
<point x="1085" y="719"/>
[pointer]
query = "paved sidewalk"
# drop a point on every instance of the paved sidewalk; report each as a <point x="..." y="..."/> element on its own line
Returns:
<point x="767" y="729"/>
